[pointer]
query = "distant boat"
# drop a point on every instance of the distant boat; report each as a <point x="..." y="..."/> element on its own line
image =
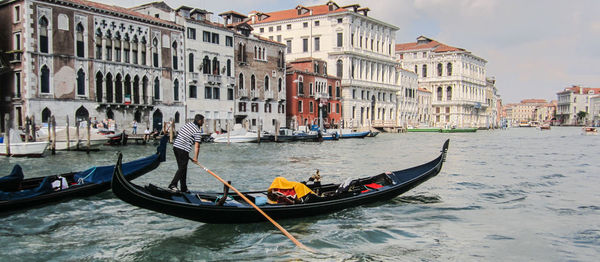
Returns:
<point x="347" y="133"/>
<point x="459" y="130"/>
<point x="20" y="148"/>
<point x="545" y="127"/>
<point x="237" y="135"/>
<point x="423" y="129"/>
<point x="589" y="130"/>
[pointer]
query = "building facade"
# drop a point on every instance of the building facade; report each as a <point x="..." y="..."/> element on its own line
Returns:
<point x="424" y="107"/>
<point x="260" y="92"/>
<point x="573" y="100"/>
<point x="209" y="63"/>
<point x="81" y="60"/>
<point x="358" y="47"/>
<point x="312" y="94"/>
<point x="530" y="112"/>
<point x="408" y="109"/>
<point x="456" y="78"/>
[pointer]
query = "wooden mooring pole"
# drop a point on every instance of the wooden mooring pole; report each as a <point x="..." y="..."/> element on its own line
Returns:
<point x="68" y="135"/>
<point x="53" y="135"/>
<point x="7" y="133"/>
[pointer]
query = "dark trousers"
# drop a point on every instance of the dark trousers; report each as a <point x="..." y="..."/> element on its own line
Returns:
<point x="182" y="158"/>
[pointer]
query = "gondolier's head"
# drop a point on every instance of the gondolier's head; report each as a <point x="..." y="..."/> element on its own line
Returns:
<point x="199" y="120"/>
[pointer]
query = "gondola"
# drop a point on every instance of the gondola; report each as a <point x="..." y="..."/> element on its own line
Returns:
<point x="18" y="193"/>
<point x="204" y="207"/>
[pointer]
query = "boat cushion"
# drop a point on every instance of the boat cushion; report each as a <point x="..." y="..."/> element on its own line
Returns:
<point x="282" y="184"/>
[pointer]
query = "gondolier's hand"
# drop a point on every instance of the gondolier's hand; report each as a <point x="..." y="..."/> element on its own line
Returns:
<point x="195" y="160"/>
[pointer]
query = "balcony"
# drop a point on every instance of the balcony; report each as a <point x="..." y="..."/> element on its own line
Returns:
<point x="194" y="76"/>
<point x="269" y="94"/>
<point x="281" y="96"/>
<point x="254" y="94"/>
<point x="14" y="56"/>
<point x="213" y="79"/>
<point x="242" y="93"/>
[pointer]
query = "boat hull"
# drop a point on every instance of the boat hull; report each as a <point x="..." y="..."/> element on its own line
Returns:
<point x="32" y="149"/>
<point x="183" y="205"/>
<point x="459" y="130"/>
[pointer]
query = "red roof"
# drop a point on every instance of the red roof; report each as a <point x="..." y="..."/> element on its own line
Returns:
<point x="583" y="90"/>
<point x="534" y="101"/>
<point x="425" y="43"/>
<point x="118" y="9"/>
<point x="293" y="13"/>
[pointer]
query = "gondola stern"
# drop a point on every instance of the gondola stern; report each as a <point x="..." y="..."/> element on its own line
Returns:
<point x="161" y="150"/>
<point x="445" y="149"/>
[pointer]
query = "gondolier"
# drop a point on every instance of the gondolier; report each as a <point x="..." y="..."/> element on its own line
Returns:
<point x="188" y="135"/>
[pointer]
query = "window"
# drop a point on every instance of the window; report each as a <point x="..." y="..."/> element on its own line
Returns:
<point x="439" y="69"/>
<point x="80" y="83"/>
<point x="300" y="106"/>
<point x="317" y="43"/>
<point x="43" y="35"/>
<point x="279" y="85"/>
<point x="216" y="93"/>
<point x="305" y="45"/>
<point x="215" y="38"/>
<point x="206" y="65"/>
<point x="143" y="49"/>
<point x="340" y="20"/>
<point x="316" y="68"/>
<point x="176" y="90"/>
<point x="241" y="81"/>
<point x="207" y="92"/>
<point x="449" y="69"/>
<point x="191" y="62"/>
<point x="17" y="84"/>
<point x="338" y="92"/>
<point x="305" y="24"/>
<point x="300" y="86"/>
<point x="279" y="38"/>
<point x="228" y="67"/>
<point x="439" y="94"/>
<point x="270" y="29"/>
<point x="17" y="13"/>
<point x="191" y="33"/>
<point x="449" y="93"/>
<point x="288" y="26"/>
<point x="289" y="45"/>
<point x="228" y="41"/>
<point x="126" y="48"/>
<point x="317" y="23"/>
<point x="156" y="89"/>
<point x="205" y="36"/>
<point x="117" y="43"/>
<point x="278" y="28"/>
<point x="353" y="93"/>
<point x="79" y="38"/>
<point x="216" y="66"/>
<point x="254" y="108"/>
<point x="310" y="89"/>
<point x="155" y="52"/>
<point x="337" y="108"/>
<point x="330" y="91"/>
<point x="252" y="83"/>
<point x="339" y="68"/>
<point x="424" y="73"/>
<point x="310" y="107"/>
<point x="242" y="107"/>
<point x="99" y="47"/>
<point x="340" y="39"/>
<point x="229" y="93"/>
<point x="193" y="91"/>
<point x="262" y="29"/>
<point x="45" y="80"/>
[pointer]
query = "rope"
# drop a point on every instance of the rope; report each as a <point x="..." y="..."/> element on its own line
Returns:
<point x="81" y="179"/>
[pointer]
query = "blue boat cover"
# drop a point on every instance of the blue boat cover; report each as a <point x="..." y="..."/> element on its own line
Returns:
<point x="103" y="174"/>
<point x="12" y="181"/>
<point x="43" y="188"/>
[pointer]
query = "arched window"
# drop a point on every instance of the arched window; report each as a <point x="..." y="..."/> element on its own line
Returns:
<point x="424" y="73"/>
<point x="134" y="50"/>
<point x="79" y="37"/>
<point x="416" y="69"/>
<point x="99" y="81"/>
<point x="43" y="35"/>
<point x="449" y="68"/>
<point x="137" y="116"/>
<point x="228" y="67"/>
<point x="216" y="66"/>
<point x="46" y="115"/>
<point x="206" y="65"/>
<point x="176" y="119"/>
<point x="174" y="54"/>
<point x="300" y="85"/>
<point x="80" y="82"/>
<point x="127" y="89"/>
<point x="145" y="90"/>
<point x="156" y="89"/>
<point x="98" y="44"/>
<point x="110" y="114"/>
<point x="191" y="62"/>
<point x="155" y="52"/>
<point x="439" y="93"/>
<point x="279" y="85"/>
<point x="449" y="93"/>
<point x="81" y="114"/>
<point x="108" y="47"/>
<point x="340" y="68"/>
<point x="439" y="69"/>
<point x="252" y="83"/>
<point x="241" y="81"/>
<point x="136" y="90"/>
<point x="109" y="88"/>
<point x="266" y="83"/>
<point x="117" y="43"/>
<point x="119" y="89"/>
<point x="45" y="80"/>
<point x="176" y="90"/>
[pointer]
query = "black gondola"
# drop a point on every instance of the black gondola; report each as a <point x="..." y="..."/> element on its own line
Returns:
<point x="203" y="207"/>
<point x="18" y="193"/>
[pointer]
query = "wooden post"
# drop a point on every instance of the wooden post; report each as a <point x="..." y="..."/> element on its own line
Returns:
<point x="77" y="134"/>
<point x="50" y="132"/>
<point x="228" y="132"/>
<point x="68" y="135"/>
<point x="258" y="127"/>
<point x="171" y="132"/>
<point x="89" y="122"/>
<point x="53" y="135"/>
<point x="27" y="129"/>
<point x="276" y="130"/>
<point x="7" y="134"/>
<point x="33" y="131"/>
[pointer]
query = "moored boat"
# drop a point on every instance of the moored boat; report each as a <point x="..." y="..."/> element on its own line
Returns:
<point x="20" y="148"/>
<point x="459" y="130"/>
<point x="19" y="193"/>
<point x="327" y="198"/>
<point x="424" y="130"/>
<point x="346" y="133"/>
<point x="237" y="135"/>
<point x="589" y="130"/>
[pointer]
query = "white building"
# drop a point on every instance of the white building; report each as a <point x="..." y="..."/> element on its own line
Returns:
<point x="424" y="107"/>
<point x="456" y="78"/>
<point x="573" y="100"/>
<point x="407" y="98"/>
<point x="209" y="65"/>
<point x="359" y="47"/>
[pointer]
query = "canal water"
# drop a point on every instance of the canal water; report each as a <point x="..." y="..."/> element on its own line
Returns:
<point x="502" y="195"/>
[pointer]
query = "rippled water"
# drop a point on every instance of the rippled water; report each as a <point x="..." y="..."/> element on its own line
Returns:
<point x="504" y="195"/>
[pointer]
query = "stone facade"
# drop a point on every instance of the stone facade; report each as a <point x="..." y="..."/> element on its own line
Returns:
<point x="573" y="100"/>
<point x="83" y="59"/>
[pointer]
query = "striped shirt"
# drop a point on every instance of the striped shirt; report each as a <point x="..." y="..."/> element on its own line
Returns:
<point x="187" y="135"/>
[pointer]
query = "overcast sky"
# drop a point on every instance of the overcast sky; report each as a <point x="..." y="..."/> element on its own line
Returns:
<point x="534" y="48"/>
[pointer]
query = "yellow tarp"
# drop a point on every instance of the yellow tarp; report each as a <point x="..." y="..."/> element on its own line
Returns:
<point x="282" y="183"/>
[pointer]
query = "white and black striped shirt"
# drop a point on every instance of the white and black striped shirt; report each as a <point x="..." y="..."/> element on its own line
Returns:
<point x="187" y="135"/>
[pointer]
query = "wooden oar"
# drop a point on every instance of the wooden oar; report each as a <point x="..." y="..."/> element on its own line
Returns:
<point x="287" y="234"/>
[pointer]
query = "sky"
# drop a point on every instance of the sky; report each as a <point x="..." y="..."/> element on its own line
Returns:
<point x="534" y="48"/>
